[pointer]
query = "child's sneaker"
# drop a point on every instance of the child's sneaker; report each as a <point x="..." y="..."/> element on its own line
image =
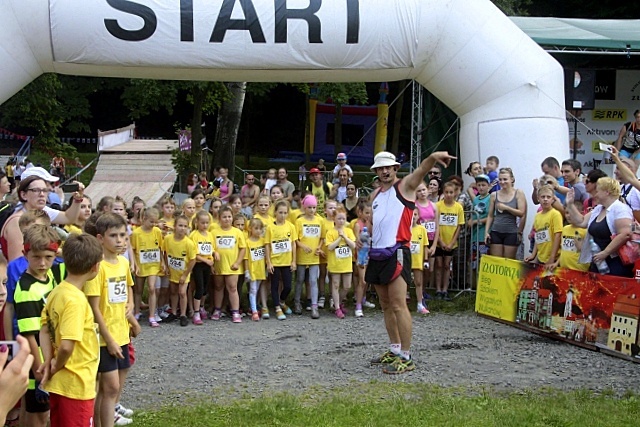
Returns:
<point x="279" y="314"/>
<point x="215" y="315"/>
<point x="203" y="313"/>
<point x="343" y="309"/>
<point x="368" y="304"/>
<point x="359" y="313"/>
<point x="315" y="314"/>
<point x="184" y="321"/>
<point x="119" y="420"/>
<point x="297" y="308"/>
<point x="339" y="314"/>
<point x="308" y="305"/>
<point x="153" y="323"/>
<point x="321" y="302"/>
<point x="265" y="313"/>
<point x="125" y="412"/>
<point x="255" y="316"/>
<point x="196" y="319"/>
<point x="285" y="308"/>
<point x="236" y="318"/>
<point x="422" y="309"/>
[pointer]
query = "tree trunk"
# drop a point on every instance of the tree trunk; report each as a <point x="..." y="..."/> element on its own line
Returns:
<point x="397" y="118"/>
<point x="224" y="147"/>
<point x="337" y="130"/>
<point x="199" y="96"/>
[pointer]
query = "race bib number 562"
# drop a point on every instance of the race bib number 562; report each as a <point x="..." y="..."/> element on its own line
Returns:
<point x="448" y="219"/>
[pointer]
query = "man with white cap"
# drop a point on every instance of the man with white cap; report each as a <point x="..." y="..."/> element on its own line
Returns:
<point x="389" y="268"/>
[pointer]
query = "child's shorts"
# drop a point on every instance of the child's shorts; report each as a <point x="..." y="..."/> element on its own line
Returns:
<point x="110" y="363"/>
<point x="67" y="412"/>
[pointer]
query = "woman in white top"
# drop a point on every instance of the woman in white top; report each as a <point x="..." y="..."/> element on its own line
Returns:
<point x="339" y="191"/>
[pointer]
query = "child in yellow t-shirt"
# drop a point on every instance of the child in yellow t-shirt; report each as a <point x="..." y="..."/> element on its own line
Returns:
<point x="330" y="206"/>
<point x="188" y="208"/>
<point x="309" y="230"/>
<point x="450" y="222"/>
<point x="68" y="339"/>
<point x="419" y="254"/>
<point x="146" y="242"/>
<point x="214" y="214"/>
<point x="280" y="240"/>
<point x="231" y="246"/>
<point x="166" y="224"/>
<point x="83" y="216"/>
<point x="262" y="211"/>
<point x="548" y="226"/>
<point x="203" y="268"/>
<point x="255" y="269"/>
<point x="340" y="246"/>
<point x="571" y="245"/>
<point x="180" y="257"/>
<point x="111" y="297"/>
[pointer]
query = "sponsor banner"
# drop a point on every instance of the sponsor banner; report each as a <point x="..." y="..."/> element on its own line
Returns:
<point x="588" y="309"/>
<point x="617" y="97"/>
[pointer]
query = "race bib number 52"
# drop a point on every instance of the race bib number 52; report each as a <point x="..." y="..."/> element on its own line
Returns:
<point x="117" y="290"/>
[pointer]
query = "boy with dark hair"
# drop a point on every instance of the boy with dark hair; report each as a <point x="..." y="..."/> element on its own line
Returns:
<point x="491" y="169"/>
<point x="40" y="246"/>
<point x="68" y="337"/>
<point x="110" y="297"/>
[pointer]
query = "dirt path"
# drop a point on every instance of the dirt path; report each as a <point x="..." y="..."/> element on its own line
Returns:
<point x="227" y="360"/>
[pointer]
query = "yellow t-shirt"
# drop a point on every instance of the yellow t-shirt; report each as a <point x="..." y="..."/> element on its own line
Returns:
<point x="255" y="256"/>
<point x="340" y="260"/>
<point x="228" y="245"/>
<point x="281" y="238"/>
<point x="113" y="284"/>
<point x="146" y="247"/>
<point x="169" y="226"/>
<point x="309" y="232"/>
<point x="68" y="316"/>
<point x="205" y="244"/>
<point x="73" y="229"/>
<point x="179" y="254"/>
<point x="572" y="237"/>
<point x="294" y="214"/>
<point x="321" y="196"/>
<point x="419" y="241"/>
<point x="214" y="224"/>
<point x="546" y="224"/>
<point x="451" y="217"/>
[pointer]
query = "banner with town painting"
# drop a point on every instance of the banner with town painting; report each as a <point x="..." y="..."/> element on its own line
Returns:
<point x="588" y="309"/>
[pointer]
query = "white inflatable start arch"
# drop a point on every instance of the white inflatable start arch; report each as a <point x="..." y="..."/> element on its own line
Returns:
<point x="508" y="92"/>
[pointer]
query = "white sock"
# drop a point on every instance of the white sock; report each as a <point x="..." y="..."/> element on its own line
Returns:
<point x="406" y="355"/>
<point x="395" y="349"/>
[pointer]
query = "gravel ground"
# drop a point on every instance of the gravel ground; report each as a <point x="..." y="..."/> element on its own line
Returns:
<point x="226" y="360"/>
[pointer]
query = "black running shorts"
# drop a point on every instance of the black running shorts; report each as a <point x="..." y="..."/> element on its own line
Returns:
<point x="386" y="271"/>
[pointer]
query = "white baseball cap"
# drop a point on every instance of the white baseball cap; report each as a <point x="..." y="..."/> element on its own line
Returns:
<point x="40" y="173"/>
<point x="384" y="158"/>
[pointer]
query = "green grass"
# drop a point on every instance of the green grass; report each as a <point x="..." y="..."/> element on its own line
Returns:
<point x="85" y="158"/>
<point x="378" y="404"/>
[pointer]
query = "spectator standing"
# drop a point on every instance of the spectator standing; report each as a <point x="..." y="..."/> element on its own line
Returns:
<point x="58" y="166"/>
<point x="339" y="190"/>
<point x="319" y="188"/>
<point x="249" y="194"/>
<point x="322" y="167"/>
<point x="549" y="166"/>
<point x="341" y="161"/>
<point x="17" y="172"/>
<point x="286" y="185"/>
<point x="302" y="175"/>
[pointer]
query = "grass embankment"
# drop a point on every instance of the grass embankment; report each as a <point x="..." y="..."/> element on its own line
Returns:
<point x="383" y="404"/>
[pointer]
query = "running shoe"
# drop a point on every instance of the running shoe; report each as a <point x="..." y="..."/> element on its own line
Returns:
<point x="170" y="318"/>
<point x="153" y="322"/>
<point x="285" y="309"/>
<point x="255" y="316"/>
<point x="297" y="308"/>
<point x="386" y="358"/>
<point x="265" y="313"/>
<point x="119" y="420"/>
<point x="315" y="314"/>
<point x="331" y="305"/>
<point x="236" y="318"/>
<point x="308" y="305"/>
<point x="184" y="321"/>
<point x="339" y="314"/>
<point x="368" y="304"/>
<point x="203" y="313"/>
<point x="162" y="314"/>
<point x="125" y="412"/>
<point x="216" y="315"/>
<point x="343" y="309"/>
<point x="400" y="366"/>
<point x="359" y="313"/>
<point x="445" y="296"/>
<point x="196" y="319"/>
<point x="423" y="310"/>
<point x="321" y="302"/>
<point x="279" y="314"/>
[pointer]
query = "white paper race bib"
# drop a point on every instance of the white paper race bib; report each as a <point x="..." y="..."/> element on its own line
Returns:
<point x="281" y="247"/>
<point x="448" y="219"/>
<point x="226" y="242"/>
<point x="257" y="254"/>
<point x="312" y="230"/>
<point x="117" y="290"/>
<point x="430" y="226"/>
<point x="177" y="264"/>
<point x="343" y="252"/>
<point x="543" y="236"/>
<point x="569" y="244"/>
<point x="149" y="256"/>
<point x="415" y="248"/>
<point x="205" y="248"/>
